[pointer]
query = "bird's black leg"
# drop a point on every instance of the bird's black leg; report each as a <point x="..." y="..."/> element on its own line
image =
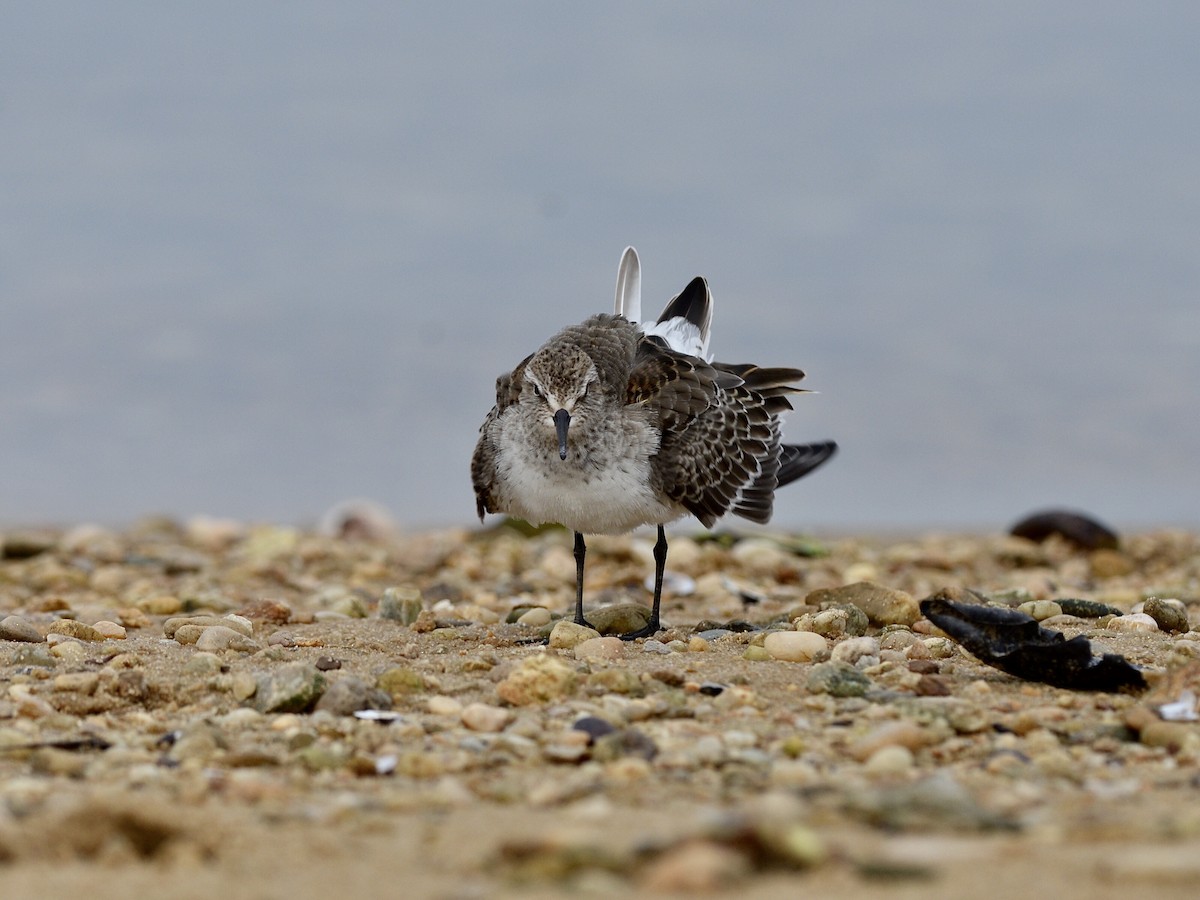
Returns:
<point x="580" y="555"/>
<point x="660" y="564"/>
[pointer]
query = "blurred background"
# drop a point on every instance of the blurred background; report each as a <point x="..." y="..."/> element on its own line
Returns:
<point x="259" y="258"/>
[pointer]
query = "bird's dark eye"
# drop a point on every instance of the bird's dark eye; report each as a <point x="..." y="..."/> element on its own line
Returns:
<point x="537" y="392"/>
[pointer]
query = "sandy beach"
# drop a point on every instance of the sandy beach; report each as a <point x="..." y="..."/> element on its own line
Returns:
<point x="210" y="708"/>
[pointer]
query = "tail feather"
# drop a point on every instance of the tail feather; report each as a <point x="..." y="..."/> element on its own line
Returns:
<point x="686" y="321"/>
<point x="629" y="286"/>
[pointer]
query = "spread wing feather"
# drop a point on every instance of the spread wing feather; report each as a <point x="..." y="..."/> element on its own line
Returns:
<point x="721" y="435"/>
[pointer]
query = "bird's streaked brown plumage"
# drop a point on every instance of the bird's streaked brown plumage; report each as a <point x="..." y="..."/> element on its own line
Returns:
<point x="611" y="425"/>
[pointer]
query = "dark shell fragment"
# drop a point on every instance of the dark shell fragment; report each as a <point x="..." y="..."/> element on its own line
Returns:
<point x="1015" y="643"/>
<point x="1081" y="530"/>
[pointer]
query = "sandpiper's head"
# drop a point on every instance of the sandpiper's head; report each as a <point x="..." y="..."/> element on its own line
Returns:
<point x="557" y="381"/>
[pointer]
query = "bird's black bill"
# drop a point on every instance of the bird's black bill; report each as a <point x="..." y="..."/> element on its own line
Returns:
<point x="562" y="421"/>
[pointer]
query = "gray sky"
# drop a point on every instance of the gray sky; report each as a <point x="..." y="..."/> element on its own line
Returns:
<point x="257" y="258"/>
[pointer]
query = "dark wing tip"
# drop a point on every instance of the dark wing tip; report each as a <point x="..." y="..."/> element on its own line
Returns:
<point x="797" y="460"/>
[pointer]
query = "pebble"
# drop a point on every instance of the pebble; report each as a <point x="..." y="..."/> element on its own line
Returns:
<point x="347" y="695"/>
<point x="238" y="623"/>
<point x="904" y="733"/>
<point x="697" y="866"/>
<point x="620" y="618"/>
<point x="14" y="628"/>
<point x="164" y="605"/>
<point x="795" y="646"/>
<point x="295" y="687"/>
<point x="76" y="630"/>
<point x="940" y="648"/>
<point x="34" y="656"/>
<point x="64" y="763"/>
<point x="1110" y="564"/>
<point x="600" y="648"/>
<point x="243" y="686"/>
<point x="485" y="718"/>
<point x="441" y="705"/>
<point x="203" y="664"/>
<point x="538" y="679"/>
<point x="1041" y="609"/>
<point x="838" y="679"/>
<point x="535" y="617"/>
<point x="401" y="680"/>
<point x="890" y="760"/>
<point x="218" y="637"/>
<point x="111" y="630"/>
<point x="401" y="605"/>
<point x="81" y="682"/>
<point x="1168" y="614"/>
<point x="566" y="635"/>
<point x="593" y="727"/>
<point x="70" y="651"/>
<point x="882" y="605"/>
<point x="1137" y="622"/>
<point x="28" y="704"/>
<point x="858" y="651"/>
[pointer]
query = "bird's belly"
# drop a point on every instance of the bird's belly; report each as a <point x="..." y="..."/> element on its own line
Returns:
<point x="609" y="500"/>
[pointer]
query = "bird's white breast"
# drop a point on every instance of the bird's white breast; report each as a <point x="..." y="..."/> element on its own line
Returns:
<point x="607" y="488"/>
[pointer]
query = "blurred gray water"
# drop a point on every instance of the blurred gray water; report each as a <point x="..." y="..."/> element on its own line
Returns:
<point x="258" y="258"/>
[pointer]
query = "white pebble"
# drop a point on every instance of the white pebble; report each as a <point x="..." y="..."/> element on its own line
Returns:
<point x="1132" y="622"/>
<point x="795" y="646"/>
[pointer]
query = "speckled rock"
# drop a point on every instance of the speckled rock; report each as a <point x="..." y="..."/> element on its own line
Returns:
<point x="1169" y="615"/>
<point x="566" y="635"/>
<point x="860" y="652"/>
<point x="838" y="679"/>
<point x="834" y="623"/>
<point x="538" y="679"/>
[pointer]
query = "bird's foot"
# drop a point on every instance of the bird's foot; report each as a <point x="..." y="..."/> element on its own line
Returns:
<point x="650" y="629"/>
